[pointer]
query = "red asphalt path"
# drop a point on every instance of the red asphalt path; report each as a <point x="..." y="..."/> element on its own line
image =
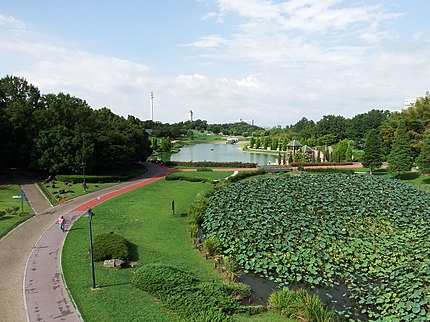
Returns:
<point x="46" y="295"/>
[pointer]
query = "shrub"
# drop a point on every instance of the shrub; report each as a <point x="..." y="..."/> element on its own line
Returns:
<point x="329" y="170"/>
<point x="299" y="305"/>
<point x="185" y="176"/>
<point x="110" y="246"/>
<point x="212" y="246"/>
<point x="239" y="290"/>
<point x="232" y="268"/>
<point x="77" y="178"/>
<point x="185" y="295"/>
<point x="211" y="164"/>
<point x="204" y="169"/>
<point x="197" y="209"/>
<point x="162" y="280"/>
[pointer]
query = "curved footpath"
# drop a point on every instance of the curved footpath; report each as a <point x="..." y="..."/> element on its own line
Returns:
<point x="30" y="256"/>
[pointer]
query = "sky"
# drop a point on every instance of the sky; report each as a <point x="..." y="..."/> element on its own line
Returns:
<point x="270" y="61"/>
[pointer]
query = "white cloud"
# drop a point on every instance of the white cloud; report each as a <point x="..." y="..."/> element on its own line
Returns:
<point x="210" y="41"/>
<point x="12" y="22"/>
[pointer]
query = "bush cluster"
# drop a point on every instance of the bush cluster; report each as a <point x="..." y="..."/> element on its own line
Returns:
<point x="211" y="164"/>
<point x="329" y="170"/>
<point x="299" y="305"/>
<point x="78" y="178"/>
<point x="110" y="246"/>
<point x="313" y="164"/>
<point x="184" y="294"/>
<point x="183" y="176"/>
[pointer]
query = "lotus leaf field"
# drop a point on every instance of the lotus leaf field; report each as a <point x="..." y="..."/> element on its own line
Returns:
<point x="367" y="234"/>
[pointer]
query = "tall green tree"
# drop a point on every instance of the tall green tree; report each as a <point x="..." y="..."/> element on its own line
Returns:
<point x="423" y="160"/>
<point x="19" y="99"/>
<point x="372" y="157"/>
<point x="400" y="158"/>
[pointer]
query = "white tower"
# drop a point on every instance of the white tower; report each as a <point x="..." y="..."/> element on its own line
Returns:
<point x="190" y="115"/>
<point x="151" y="98"/>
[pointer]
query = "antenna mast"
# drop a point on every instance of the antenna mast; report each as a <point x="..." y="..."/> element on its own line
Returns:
<point x="151" y="97"/>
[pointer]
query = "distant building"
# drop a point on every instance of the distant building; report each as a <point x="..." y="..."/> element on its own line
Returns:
<point x="190" y="115"/>
<point x="410" y="102"/>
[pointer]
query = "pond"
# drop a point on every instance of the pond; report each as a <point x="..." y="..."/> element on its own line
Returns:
<point x="220" y="153"/>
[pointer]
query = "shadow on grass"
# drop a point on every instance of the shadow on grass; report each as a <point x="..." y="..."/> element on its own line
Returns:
<point x="426" y="181"/>
<point x="409" y="176"/>
<point x="77" y="228"/>
<point x="113" y="284"/>
<point x="133" y="252"/>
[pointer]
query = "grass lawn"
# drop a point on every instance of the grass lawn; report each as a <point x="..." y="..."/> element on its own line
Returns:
<point x="144" y="217"/>
<point x="71" y="191"/>
<point x="6" y="201"/>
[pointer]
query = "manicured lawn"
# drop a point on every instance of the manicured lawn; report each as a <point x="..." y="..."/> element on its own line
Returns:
<point x="6" y="201"/>
<point x="71" y="191"/>
<point x="145" y="218"/>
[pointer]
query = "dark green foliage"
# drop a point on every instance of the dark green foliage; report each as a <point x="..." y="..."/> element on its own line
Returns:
<point x="204" y="169"/>
<point x="210" y="164"/>
<point x="423" y="160"/>
<point x="77" y="178"/>
<point x="110" y="246"/>
<point x="162" y="280"/>
<point x="372" y="157"/>
<point x="312" y="164"/>
<point x="60" y="133"/>
<point x="12" y="211"/>
<point x="329" y="170"/>
<point x="400" y="158"/>
<point x="185" y="295"/>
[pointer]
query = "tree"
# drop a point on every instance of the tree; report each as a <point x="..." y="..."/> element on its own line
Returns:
<point x="331" y="124"/>
<point x="400" y="158"/>
<point x="423" y="160"/>
<point x="372" y="157"/>
<point x="18" y="101"/>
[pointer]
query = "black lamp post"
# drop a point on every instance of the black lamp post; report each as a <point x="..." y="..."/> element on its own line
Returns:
<point x="90" y="216"/>
<point x="84" y="184"/>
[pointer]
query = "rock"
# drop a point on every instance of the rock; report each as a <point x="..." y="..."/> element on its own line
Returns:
<point x="132" y="264"/>
<point x="118" y="263"/>
<point x="109" y="263"/>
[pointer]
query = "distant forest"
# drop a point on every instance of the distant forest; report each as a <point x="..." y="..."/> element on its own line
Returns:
<point x="59" y="133"/>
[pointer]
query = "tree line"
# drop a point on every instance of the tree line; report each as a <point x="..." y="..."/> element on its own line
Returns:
<point x="59" y="133"/>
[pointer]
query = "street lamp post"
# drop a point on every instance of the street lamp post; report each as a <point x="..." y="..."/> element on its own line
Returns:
<point x="90" y="216"/>
<point x="84" y="184"/>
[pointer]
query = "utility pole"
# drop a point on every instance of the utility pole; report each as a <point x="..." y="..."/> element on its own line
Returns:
<point x="151" y="97"/>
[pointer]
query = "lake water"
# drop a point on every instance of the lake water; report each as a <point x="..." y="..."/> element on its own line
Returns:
<point x="220" y="153"/>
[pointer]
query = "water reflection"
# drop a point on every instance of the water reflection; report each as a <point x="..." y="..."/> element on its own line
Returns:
<point x="220" y="153"/>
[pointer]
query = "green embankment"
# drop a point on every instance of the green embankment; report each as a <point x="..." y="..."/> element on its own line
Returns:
<point x="7" y="222"/>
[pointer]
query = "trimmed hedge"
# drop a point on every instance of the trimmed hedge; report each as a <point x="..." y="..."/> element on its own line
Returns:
<point x="181" y="176"/>
<point x="318" y="164"/>
<point x="329" y="170"/>
<point x="110" y="246"/>
<point x="211" y="164"/>
<point x="77" y="178"/>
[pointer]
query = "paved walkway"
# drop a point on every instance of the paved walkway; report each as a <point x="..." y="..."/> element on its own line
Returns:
<point x="30" y="256"/>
